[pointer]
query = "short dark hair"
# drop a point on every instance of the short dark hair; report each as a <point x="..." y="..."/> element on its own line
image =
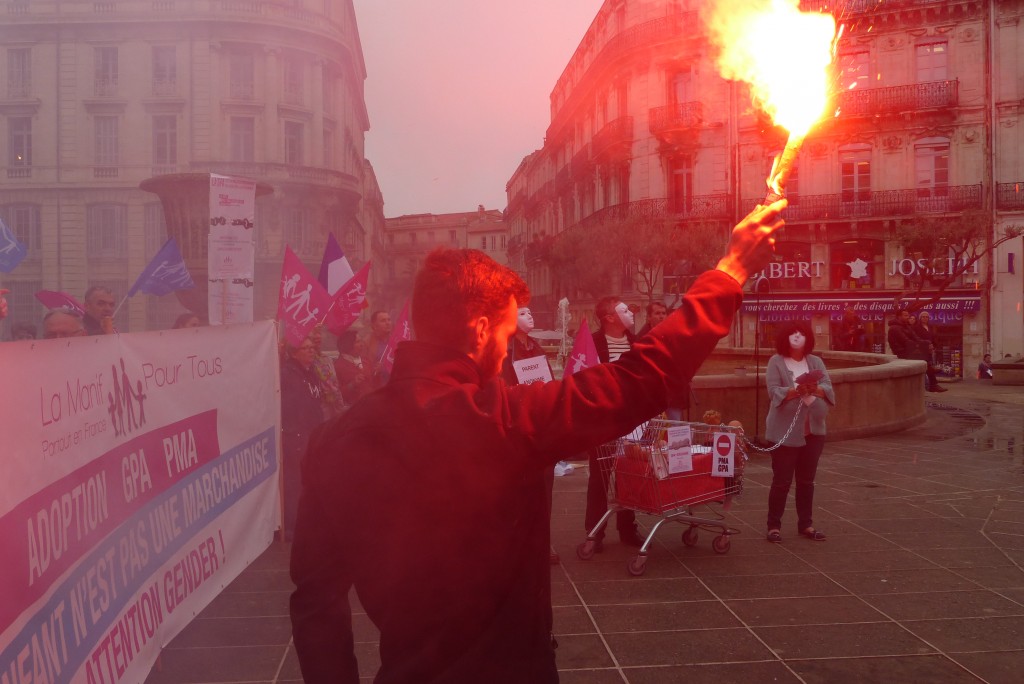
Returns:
<point x="98" y="288"/>
<point x="456" y="286"/>
<point x="606" y="306"/>
<point x="373" y="316"/>
<point x="650" y="308"/>
<point x="787" y="329"/>
<point x="347" y="341"/>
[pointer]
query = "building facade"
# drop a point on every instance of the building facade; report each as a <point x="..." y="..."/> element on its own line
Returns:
<point x="99" y="96"/>
<point x="411" y="237"/>
<point x="643" y="127"/>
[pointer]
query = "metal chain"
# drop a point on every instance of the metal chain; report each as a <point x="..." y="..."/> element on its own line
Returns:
<point x="784" y="437"/>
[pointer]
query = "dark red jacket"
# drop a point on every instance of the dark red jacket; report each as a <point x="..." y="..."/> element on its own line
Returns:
<point x="429" y="497"/>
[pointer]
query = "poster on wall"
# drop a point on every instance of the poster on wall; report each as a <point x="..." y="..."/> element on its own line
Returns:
<point x="232" y="249"/>
<point x="140" y="479"/>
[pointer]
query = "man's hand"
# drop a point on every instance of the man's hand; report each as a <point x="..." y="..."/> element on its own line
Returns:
<point x="751" y="244"/>
<point x="3" y="304"/>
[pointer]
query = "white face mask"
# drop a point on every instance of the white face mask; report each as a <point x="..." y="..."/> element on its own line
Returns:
<point x="797" y="340"/>
<point x="625" y="315"/>
<point x="525" y="320"/>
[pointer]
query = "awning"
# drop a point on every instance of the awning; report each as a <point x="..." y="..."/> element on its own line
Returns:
<point x="874" y="307"/>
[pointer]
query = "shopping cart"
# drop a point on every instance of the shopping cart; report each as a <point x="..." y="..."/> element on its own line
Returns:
<point x="664" y="468"/>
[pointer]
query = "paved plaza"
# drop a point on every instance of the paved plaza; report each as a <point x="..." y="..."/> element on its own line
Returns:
<point x="921" y="579"/>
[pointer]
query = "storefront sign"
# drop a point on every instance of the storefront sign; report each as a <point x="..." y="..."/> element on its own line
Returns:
<point x="913" y="267"/>
<point x="950" y="308"/>
<point x="791" y="269"/>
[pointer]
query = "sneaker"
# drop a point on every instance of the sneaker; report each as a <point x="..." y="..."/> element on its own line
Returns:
<point x="630" y="537"/>
<point x="563" y="468"/>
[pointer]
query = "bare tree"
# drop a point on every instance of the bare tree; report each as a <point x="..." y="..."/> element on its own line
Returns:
<point x="944" y="249"/>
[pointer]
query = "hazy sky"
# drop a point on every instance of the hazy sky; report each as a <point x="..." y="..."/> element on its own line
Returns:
<point x="458" y="93"/>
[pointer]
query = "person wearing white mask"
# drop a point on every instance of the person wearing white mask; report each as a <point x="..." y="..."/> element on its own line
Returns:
<point x="613" y="338"/>
<point x="800" y="394"/>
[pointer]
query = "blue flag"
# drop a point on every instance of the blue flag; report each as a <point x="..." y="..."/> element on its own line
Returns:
<point x="11" y="250"/>
<point x="164" y="274"/>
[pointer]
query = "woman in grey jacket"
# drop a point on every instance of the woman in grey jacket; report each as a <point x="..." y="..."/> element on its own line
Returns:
<point x="796" y="418"/>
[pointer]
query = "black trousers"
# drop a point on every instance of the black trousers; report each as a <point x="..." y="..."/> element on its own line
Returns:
<point x="597" y="501"/>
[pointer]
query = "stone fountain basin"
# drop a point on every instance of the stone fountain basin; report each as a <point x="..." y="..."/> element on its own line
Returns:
<point x="875" y="393"/>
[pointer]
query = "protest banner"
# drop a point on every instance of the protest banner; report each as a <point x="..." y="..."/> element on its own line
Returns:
<point x="141" y="477"/>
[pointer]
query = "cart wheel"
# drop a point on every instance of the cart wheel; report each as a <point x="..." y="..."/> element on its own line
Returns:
<point x="585" y="551"/>
<point x="690" y="536"/>
<point x="637" y="566"/>
<point x="721" y="543"/>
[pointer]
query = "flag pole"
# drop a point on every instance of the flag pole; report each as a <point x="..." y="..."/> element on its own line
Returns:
<point x="123" y="300"/>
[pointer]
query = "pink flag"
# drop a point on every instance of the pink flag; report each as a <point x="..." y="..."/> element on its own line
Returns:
<point x="584" y="352"/>
<point x="303" y="301"/>
<point x="402" y="332"/>
<point x="349" y="301"/>
<point x="60" y="300"/>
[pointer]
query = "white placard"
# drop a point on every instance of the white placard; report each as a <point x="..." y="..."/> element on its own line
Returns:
<point x="231" y="301"/>
<point x="533" y="369"/>
<point x="722" y="451"/>
<point x="679" y="449"/>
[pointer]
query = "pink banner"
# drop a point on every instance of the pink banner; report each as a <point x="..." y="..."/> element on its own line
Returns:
<point x="57" y="525"/>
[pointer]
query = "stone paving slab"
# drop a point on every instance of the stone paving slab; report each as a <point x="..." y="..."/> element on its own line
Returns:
<point x="921" y="579"/>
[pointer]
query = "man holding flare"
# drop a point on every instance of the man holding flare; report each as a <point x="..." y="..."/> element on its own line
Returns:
<point x="429" y="495"/>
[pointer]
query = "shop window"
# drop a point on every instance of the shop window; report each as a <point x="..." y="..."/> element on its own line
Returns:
<point x="857" y="264"/>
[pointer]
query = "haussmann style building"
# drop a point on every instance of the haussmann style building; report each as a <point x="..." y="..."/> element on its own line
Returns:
<point x="98" y="96"/>
<point x="643" y="127"/>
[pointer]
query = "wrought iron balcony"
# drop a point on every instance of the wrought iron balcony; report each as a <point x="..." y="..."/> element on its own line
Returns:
<point x="698" y="207"/>
<point x="18" y="89"/>
<point x="850" y="7"/>
<point x="683" y="117"/>
<point x="104" y="86"/>
<point x="615" y="139"/>
<point x="898" y="99"/>
<point x="881" y="203"/>
<point x="1010" y="196"/>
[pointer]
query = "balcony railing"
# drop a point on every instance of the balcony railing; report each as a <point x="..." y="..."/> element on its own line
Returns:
<point x="1010" y="196"/>
<point x="241" y="90"/>
<point x="165" y="87"/>
<point x="18" y="90"/>
<point x="104" y="86"/>
<point x="682" y="116"/>
<point x="881" y="203"/>
<point x="616" y="134"/>
<point x="19" y="171"/>
<point x="897" y="99"/>
<point x="850" y="7"/>
<point x="698" y="207"/>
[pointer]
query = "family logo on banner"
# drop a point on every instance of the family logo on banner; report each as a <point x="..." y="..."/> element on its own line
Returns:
<point x="232" y="254"/>
<point x="303" y="302"/>
<point x="402" y="332"/>
<point x="584" y="352"/>
<point x="12" y="250"/>
<point x="140" y="477"/>
<point x="348" y="302"/>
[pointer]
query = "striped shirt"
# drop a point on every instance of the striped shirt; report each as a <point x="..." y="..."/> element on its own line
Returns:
<point x="617" y="346"/>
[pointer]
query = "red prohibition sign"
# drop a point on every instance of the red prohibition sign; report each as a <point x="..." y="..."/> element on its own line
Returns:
<point x="723" y="445"/>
